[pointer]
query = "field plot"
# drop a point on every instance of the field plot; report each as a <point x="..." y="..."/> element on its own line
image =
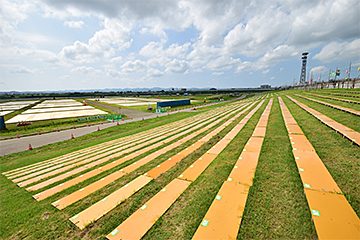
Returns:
<point x="8" y="107"/>
<point x="55" y="109"/>
<point x="272" y="166"/>
<point x="128" y="102"/>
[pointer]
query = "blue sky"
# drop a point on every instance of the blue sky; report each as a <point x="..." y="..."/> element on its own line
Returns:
<point x="70" y="45"/>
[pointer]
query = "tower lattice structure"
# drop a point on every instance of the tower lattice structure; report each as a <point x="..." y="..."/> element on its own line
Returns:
<point x="303" y="68"/>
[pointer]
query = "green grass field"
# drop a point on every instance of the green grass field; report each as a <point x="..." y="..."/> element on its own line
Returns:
<point x="276" y="207"/>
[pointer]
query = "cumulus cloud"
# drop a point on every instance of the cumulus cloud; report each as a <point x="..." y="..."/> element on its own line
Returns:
<point x="335" y="51"/>
<point x="156" y="50"/>
<point x="134" y="66"/>
<point x="115" y="34"/>
<point x="85" y="70"/>
<point x="156" y="30"/>
<point x="11" y="14"/>
<point x="74" y="24"/>
<point x="151" y="72"/>
<point x="258" y="34"/>
<point x="266" y="71"/>
<point x="322" y="21"/>
<point x="64" y="77"/>
<point x="222" y="63"/>
<point x="116" y="59"/>
<point x="177" y="66"/>
<point x="111" y="72"/>
<point x="217" y="73"/>
<point x="25" y="70"/>
<point x="181" y="36"/>
<point x="319" y="69"/>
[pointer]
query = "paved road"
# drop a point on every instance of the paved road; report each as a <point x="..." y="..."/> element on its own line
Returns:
<point x="127" y="111"/>
<point x="21" y="144"/>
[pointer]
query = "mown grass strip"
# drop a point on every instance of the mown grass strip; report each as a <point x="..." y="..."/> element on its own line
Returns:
<point x="347" y="119"/>
<point x="276" y="207"/>
<point x="26" y="218"/>
<point x="340" y="157"/>
<point x="335" y="102"/>
<point x="321" y="93"/>
<point x="185" y="215"/>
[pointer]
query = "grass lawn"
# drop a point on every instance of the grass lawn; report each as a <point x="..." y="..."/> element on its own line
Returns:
<point x="276" y="207"/>
<point x="45" y="126"/>
<point x="347" y="119"/>
<point x="341" y="158"/>
<point x="335" y="102"/>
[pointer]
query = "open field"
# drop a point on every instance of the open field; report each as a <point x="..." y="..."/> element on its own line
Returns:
<point x="55" y="109"/>
<point x="166" y="178"/>
<point x="47" y="125"/>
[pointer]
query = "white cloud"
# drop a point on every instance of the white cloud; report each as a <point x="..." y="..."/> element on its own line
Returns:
<point x="25" y="70"/>
<point x="266" y="71"/>
<point x="74" y="24"/>
<point x="335" y="51"/>
<point x="134" y="66"/>
<point x="156" y="50"/>
<point x="259" y="33"/>
<point x="115" y="34"/>
<point x="156" y="30"/>
<point x="177" y="66"/>
<point x="272" y="78"/>
<point x="64" y="77"/>
<point x="319" y="69"/>
<point x="323" y="21"/>
<point x="217" y="73"/>
<point x="116" y="59"/>
<point x="110" y="72"/>
<point x="151" y="72"/>
<point x="11" y="14"/>
<point x="222" y="63"/>
<point x="176" y="36"/>
<point x="85" y="70"/>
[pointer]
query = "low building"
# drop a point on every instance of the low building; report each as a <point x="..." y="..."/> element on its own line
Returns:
<point x="265" y="86"/>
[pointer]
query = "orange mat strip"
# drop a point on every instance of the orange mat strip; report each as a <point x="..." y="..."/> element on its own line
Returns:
<point x="105" y="205"/>
<point x="333" y="216"/>
<point x="349" y="133"/>
<point x="78" y="162"/>
<point x="150" y="212"/>
<point x="94" y="148"/>
<point x="154" y="173"/>
<point x="90" y="151"/>
<point x="337" y="99"/>
<point x="108" y="157"/>
<point x="139" y="223"/>
<point x="95" y="151"/>
<point x="92" y="173"/>
<point x="80" y="169"/>
<point x="223" y="218"/>
<point x="349" y="110"/>
<point x="99" y="209"/>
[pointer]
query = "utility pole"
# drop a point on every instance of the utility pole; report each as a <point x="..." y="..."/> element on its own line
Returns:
<point x="349" y="70"/>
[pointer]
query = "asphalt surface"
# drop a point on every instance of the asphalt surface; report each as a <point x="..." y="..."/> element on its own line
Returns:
<point x="128" y="112"/>
<point x="22" y="144"/>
